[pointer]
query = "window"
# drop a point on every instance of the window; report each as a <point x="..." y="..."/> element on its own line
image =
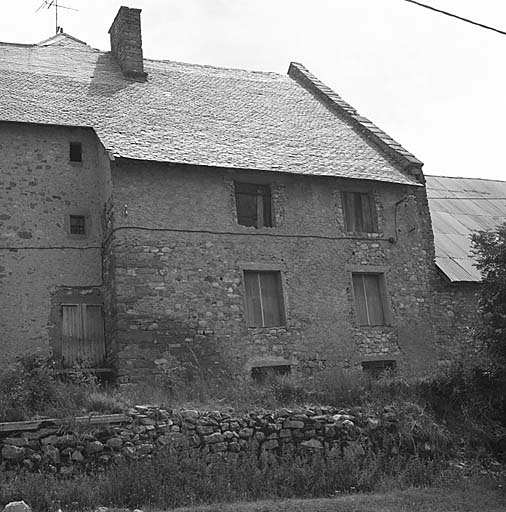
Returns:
<point x="264" y="299"/>
<point x="76" y="152"/>
<point x="370" y="299"/>
<point x="254" y="205"/>
<point x="77" y="225"/>
<point x="82" y="334"/>
<point x="359" y="212"/>
<point x="263" y="373"/>
<point x="375" y="368"/>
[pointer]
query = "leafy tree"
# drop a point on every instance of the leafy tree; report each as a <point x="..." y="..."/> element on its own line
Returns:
<point x="490" y="250"/>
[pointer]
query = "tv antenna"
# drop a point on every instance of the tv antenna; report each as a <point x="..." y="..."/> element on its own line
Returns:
<point x="54" y="3"/>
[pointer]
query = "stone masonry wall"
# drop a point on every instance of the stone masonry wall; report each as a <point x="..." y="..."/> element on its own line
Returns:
<point x="454" y="315"/>
<point x="40" y="262"/>
<point x="148" y="430"/>
<point x="180" y="255"/>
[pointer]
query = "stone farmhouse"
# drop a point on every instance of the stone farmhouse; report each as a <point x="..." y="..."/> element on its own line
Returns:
<point x="231" y="220"/>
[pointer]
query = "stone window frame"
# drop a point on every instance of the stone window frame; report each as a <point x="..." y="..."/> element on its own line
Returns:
<point x="80" y="212"/>
<point x="277" y="190"/>
<point x="266" y="267"/>
<point x="386" y="303"/>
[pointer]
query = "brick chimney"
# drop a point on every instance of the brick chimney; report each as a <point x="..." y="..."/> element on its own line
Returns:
<point x="126" y="42"/>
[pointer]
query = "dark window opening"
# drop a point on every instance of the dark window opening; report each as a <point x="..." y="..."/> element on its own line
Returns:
<point x="370" y="299"/>
<point x="254" y="205"/>
<point x="77" y="225"/>
<point x="359" y="212"/>
<point x="264" y="299"/>
<point x="76" y="152"/>
<point x="376" y="368"/>
<point x="83" y="340"/>
<point x="264" y="373"/>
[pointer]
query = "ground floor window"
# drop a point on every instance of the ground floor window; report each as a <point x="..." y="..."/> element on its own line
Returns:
<point x="371" y="304"/>
<point x="264" y="299"/>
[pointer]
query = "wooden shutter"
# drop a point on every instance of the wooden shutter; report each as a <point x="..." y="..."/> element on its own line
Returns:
<point x="373" y="299"/>
<point x="253" y="299"/>
<point x="83" y="338"/>
<point x="72" y="333"/>
<point x="349" y="211"/>
<point x="368" y="299"/>
<point x="94" y="346"/>
<point x="265" y="194"/>
<point x="272" y="304"/>
<point x="359" y="212"/>
<point x="246" y="200"/>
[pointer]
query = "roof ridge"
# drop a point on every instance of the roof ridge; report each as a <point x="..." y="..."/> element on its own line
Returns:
<point x="393" y="149"/>
<point x="41" y="43"/>
<point x="209" y="66"/>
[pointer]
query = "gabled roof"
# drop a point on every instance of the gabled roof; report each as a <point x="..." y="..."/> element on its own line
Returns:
<point x="196" y="114"/>
<point x="459" y="207"/>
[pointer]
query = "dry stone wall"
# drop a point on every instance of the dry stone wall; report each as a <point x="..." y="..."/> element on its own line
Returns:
<point x="148" y="430"/>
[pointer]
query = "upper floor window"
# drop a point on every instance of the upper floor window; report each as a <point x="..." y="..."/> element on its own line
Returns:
<point x="254" y="204"/>
<point x="359" y="212"/>
<point x="77" y="225"/>
<point x="76" y="152"/>
<point x="371" y="303"/>
<point x="264" y="299"/>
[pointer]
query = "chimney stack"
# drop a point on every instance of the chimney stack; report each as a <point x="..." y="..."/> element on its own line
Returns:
<point x="126" y="42"/>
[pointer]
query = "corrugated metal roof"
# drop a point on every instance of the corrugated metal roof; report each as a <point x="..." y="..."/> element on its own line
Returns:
<point x="459" y="207"/>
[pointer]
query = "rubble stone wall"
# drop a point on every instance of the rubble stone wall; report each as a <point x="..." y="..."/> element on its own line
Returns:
<point x="39" y="259"/>
<point x="180" y="256"/>
<point x="148" y="430"/>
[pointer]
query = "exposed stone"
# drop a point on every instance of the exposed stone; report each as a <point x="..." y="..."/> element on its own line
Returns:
<point x="312" y="444"/>
<point x="52" y="453"/>
<point x="217" y="437"/>
<point x="16" y="441"/>
<point x="293" y="424"/>
<point x="11" y="452"/>
<point x="115" y="443"/>
<point x="16" y="506"/>
<point x="94" y="447"/>
<point x="77" y="456"/>
<point x="271" y="444"/>
<point x="246" y="433"/>
<point x="190" y="414"/>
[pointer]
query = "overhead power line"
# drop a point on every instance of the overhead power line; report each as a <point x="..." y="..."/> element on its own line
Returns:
<point x="457" y="17"/>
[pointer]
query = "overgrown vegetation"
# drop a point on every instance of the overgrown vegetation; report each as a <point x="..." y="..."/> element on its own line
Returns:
<point x="173" y="478"/>
<point x="456" y="413"/>
<point x="29" y="388"/>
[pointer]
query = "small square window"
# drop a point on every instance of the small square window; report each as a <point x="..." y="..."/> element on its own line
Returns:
<point x="76" y="152"/>
<point x="264" y="299"/>
<point x="254" y="205"/>
<point x="77" y="225"/>
<point x="359" y="212"/>
<point x="371" y="306"/>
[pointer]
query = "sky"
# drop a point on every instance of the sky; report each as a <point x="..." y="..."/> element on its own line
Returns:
<point x="435" y="84"/>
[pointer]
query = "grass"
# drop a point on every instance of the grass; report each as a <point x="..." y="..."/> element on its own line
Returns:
<point x="431" y="499"/>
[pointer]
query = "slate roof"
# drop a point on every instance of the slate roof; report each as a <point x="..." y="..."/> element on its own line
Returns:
<point x="189" y="113"/>
<point x="459" y="206"/>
